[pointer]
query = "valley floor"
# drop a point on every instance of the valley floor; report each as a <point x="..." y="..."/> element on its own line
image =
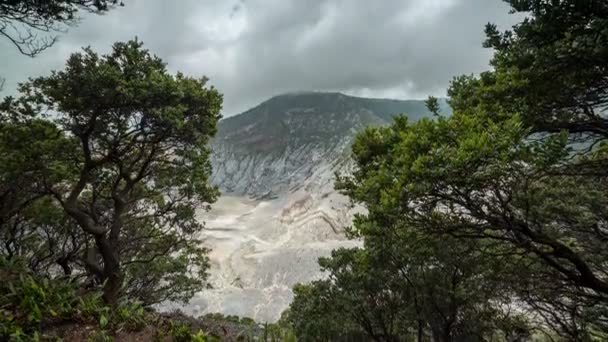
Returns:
<point x="260" y="249"/>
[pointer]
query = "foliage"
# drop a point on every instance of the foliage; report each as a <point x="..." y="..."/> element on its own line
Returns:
<point x="551" y="69"/>
<point x="181" y="332"/>
<point x="315" y="316"/>
<point x="33" y="227"/>
<point x="471" y="176"/>
<point x="509" y="194"/>
<point x="29" y="302"/>
<point x="103" y="194"/>
<point x="22" y="21"/>
<point x="25" y="300"/>
<point x="135" y="167"/>
<point x="404" y="289"/>
<point x="184" y="332"/>
<point x="554" y="63"/>
<point x="280" y="331"/>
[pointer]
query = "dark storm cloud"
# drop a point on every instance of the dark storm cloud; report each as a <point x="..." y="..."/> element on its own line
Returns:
<point x="254" y="49"/>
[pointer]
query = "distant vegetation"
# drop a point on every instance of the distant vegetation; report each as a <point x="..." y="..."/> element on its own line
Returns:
<point x="489" y="224"/>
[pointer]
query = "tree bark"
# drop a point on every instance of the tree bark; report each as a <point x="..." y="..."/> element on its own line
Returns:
<point x="420" y="331"/>
<point x="112" y="274"/>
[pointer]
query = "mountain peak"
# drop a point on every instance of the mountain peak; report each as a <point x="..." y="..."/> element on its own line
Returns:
<point x="328" y="102"/>
<point x="325" y="101"/>
<point x="261" y="150"/>
<point x="310" y="93"/>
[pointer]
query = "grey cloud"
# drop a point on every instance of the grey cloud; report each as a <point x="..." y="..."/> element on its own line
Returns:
<point x="254" y="49"/>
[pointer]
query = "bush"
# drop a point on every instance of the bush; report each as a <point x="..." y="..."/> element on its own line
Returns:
<point x="182" y="332"/>
<point x="29" y="303"/>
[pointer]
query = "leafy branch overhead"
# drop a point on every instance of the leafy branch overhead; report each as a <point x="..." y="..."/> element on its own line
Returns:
<point x="31" y="25"/>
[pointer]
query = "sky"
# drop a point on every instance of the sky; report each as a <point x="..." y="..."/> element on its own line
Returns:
<point x="252" y="50"/>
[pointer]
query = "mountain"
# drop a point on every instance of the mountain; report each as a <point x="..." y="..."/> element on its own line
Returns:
<point x="281" y="143"/>
<point x="279" y="212"/>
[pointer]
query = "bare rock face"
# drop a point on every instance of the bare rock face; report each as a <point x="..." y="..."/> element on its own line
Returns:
<point x="279" y="212"/>
<point x="285" y="142"/>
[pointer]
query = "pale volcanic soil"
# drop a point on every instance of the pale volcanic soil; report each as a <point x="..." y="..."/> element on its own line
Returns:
<point x="260" y="249"/>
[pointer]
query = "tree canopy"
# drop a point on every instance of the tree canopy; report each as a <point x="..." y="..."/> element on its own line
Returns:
<point x="129" y="166"/>
<point x="515" y="177"/>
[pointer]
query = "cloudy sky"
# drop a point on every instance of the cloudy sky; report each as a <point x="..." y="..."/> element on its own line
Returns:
<point x="254" y="49"/>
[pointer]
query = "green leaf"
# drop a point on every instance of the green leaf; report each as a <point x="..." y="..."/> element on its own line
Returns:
<point x="103" y="321"/>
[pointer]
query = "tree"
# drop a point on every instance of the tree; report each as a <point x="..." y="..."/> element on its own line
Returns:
<point x="383" y="298"/>
<point x="407" y="284"/>
<point x="315" y="314"/>
<point x="366" y="293"/>
<point x="136" y="168"/>
<point x="552" y="70"/>
<point x="41" y="236"/>
<point x="22" y="20"/>
<point x="25" y="150"/>
<point x="516" y="177"/>
<point x="551" y="67"/>
<point x="523" y="161"/>
<point x="472" y="176"/>
<point x="32" y="227"/>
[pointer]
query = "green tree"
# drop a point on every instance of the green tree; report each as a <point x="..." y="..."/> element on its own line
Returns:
<point x="365" y="293"/>
<point x="473" y="177"/>
<point x="136" y="167"/>
<point x="551" y="67"/>
<point x="406" y="285"/>
<point x="516" y="176"/>
<point x="550" y="79"/>
<point x="552" y="70"/>
<point x="33" y="227"/>
<point x="315" y="314"/>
